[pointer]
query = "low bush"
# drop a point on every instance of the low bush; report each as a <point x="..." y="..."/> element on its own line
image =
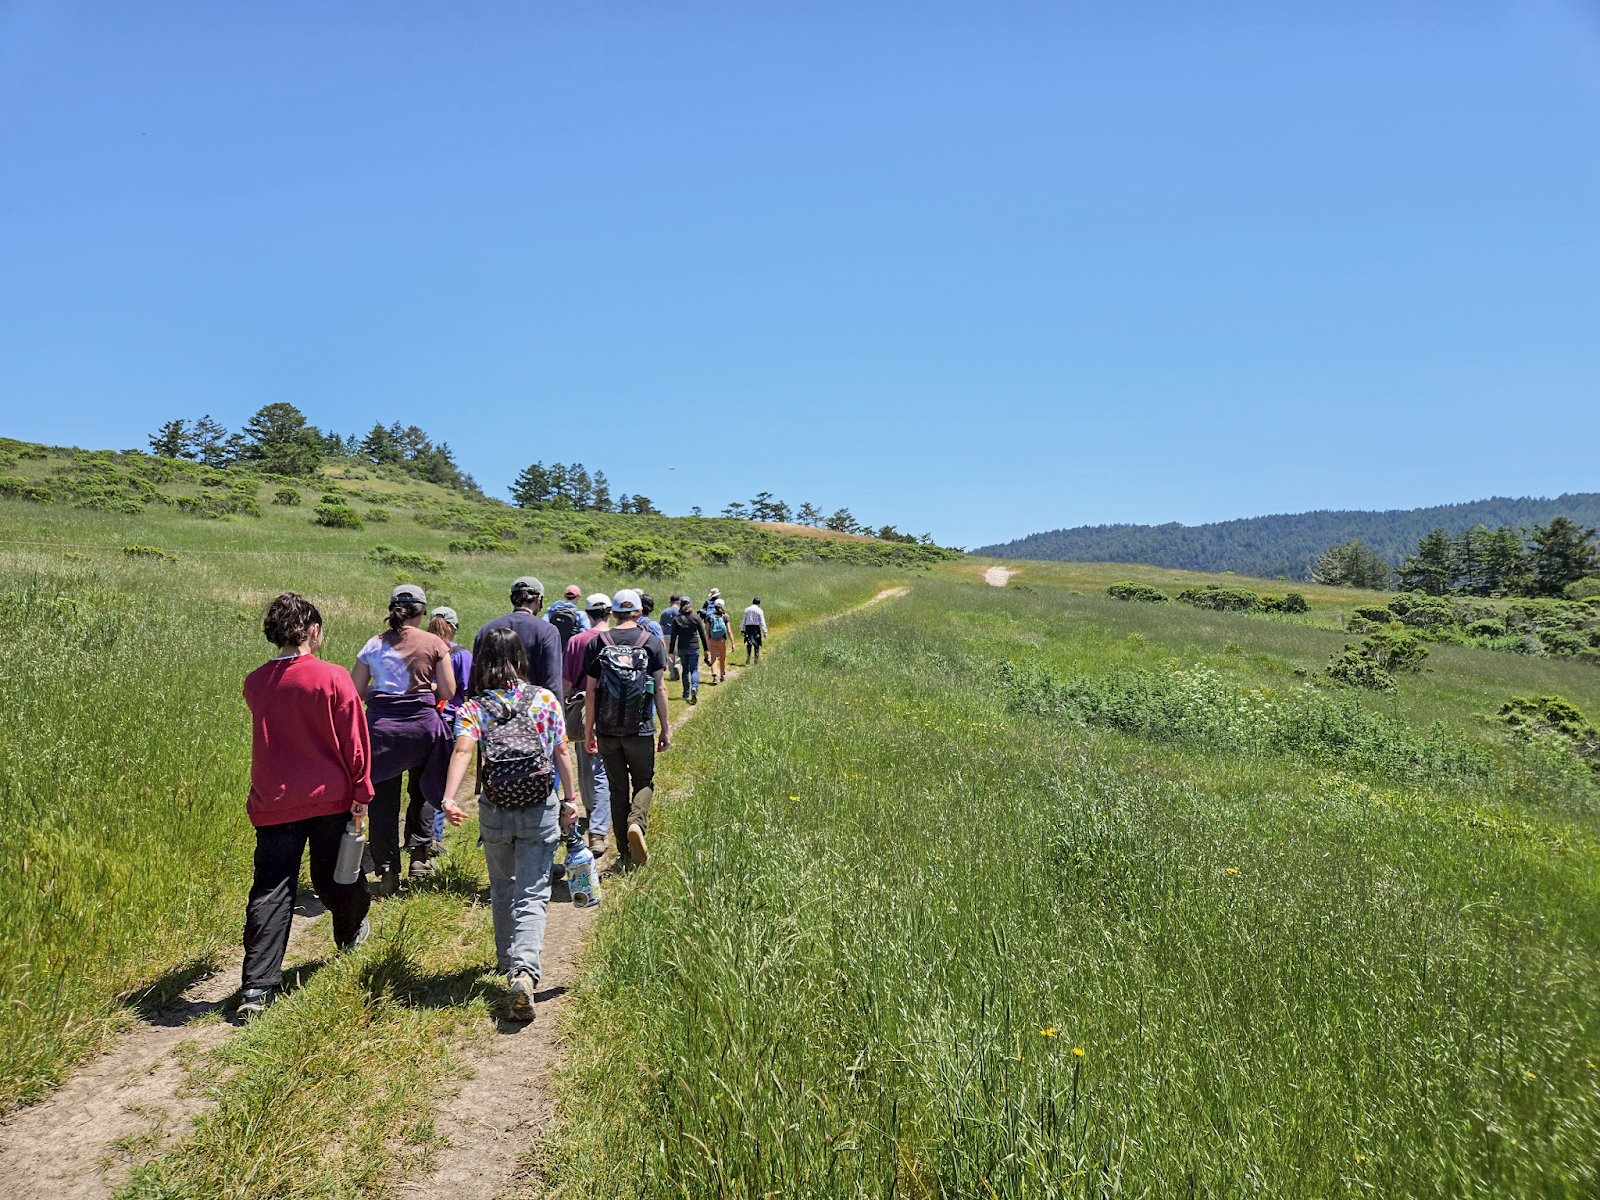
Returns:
<point x="286" y="496"/>
<point x="152" y="552"/>
<point x="575" y="543"/>
<point x="1221" y="599"/>
<point x="389" y="556"/>
<point x="718" y="554"/>
<point x="1376" y="613"/>
<point x="1554" y="717"/>
<point x="1354" y="667"/>
<point x="480" y="545"/>
<point x="1583" y="589"/>
<point x="378" y="514"/>
<point x="650" y="557"/>
<point x="1138" y="593"/>
<point x="337" y="516"/>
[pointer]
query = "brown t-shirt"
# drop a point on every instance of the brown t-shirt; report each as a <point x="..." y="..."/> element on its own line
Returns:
<point x="404" y="661"/>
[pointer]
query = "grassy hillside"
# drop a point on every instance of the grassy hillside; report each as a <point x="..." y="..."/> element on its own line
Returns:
<point x="124" y="844"/>
<point x="934" y="931"/>
<point x="1285" y="544"/>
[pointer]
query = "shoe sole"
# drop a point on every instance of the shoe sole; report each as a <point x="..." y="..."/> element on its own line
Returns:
<point x="639" y="852"/>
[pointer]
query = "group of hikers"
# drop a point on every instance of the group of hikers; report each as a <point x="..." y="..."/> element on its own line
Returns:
<point x="565" y="712"/>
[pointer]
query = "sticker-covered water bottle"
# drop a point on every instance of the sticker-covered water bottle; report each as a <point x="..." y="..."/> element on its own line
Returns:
<point x="583" y="877"/>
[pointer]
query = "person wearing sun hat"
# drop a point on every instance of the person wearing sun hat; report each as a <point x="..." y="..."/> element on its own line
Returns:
<point x="628" y="750"/>
<point x="405" y="676"/>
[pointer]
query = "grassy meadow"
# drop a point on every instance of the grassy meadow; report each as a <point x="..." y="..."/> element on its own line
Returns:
<point x="924" y="934"/>
<point x="976" y="891"/>
<point x="125" y="845"/>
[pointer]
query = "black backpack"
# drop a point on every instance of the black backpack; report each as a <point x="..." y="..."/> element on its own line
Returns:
<point x="566" y="622"/>
<point x="623" y="687"/>
<point x="514" y="771"/>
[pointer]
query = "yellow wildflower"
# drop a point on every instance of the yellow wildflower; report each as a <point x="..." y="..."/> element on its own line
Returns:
<point x="1051" y="1032"/>
<point x="1233" y="870"/>
<point x="1078" y="1050"/>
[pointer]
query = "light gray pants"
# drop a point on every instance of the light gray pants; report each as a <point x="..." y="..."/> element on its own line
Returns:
<point x="519" y="848"/>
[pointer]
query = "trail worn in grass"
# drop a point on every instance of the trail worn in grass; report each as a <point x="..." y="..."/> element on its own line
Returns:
<point x="915" y="941"/>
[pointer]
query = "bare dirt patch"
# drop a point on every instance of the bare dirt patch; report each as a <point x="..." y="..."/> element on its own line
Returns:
<point x="125" y="1106"/>
<point x="997" y="576"/>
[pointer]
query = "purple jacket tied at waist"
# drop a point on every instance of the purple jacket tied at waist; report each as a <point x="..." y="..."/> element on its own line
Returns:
<point x="409" y="735"/>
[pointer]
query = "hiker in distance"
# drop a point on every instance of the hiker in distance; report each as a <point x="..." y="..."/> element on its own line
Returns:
<point x="406" y="677"/>
<point x="669" y="618"/>
<point x="522" y="737"/>
<point x="754" y="623"/>
<point x="625" y="695"/>
<point x="443" y="624"/>
<point x="309" y="775"/>
<point x="593" y="784"/>
<point x="717" y="645"/>
<point x="565" y="615"/>
<point x="689" y="632"/>
<point x="540" y="639"/>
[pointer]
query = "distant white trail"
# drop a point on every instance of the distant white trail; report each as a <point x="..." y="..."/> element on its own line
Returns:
<point x="997" y="576"/>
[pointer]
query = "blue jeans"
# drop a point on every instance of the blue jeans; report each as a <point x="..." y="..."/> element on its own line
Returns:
<point x="593" y="785"/>
<point x="519" y="848"/>
<point x="689" y="665"/>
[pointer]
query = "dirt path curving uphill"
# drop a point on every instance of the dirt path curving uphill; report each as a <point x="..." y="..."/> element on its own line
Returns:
<point x="499" y="1113"/>
<point x="124" y="1106"/>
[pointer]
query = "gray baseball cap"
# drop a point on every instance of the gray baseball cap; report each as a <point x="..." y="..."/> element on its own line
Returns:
<point x="409" y="592"/>
<point x="625" y="601"/>
<point x="529" y="583"/>
<point x="448" y="613"/>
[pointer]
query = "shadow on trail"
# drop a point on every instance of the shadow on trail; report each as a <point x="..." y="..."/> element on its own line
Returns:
<point x="160" y="1002"/>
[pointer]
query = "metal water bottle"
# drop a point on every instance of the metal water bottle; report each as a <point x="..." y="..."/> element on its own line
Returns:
<point x="348" y="867"/>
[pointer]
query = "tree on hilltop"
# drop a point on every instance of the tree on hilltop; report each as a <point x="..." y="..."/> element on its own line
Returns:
<point x="171" y="440"/>
<point x="277" y="439"/>
<point x="1562" y="553"/>
<point x="809" y="514"/>
<point x="1431" y="567"/>
<point x="1351" y="565"/>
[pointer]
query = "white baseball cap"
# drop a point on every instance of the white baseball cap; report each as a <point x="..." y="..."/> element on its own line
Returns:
<point x="626" y="601"/>
<point x="597" y="601"/>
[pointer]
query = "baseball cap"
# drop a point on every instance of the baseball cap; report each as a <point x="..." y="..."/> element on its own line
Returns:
<point x="527" y="583"/>
<point x="408" y="592"/>
<point x="573" y="591"/>
<point x="448" y="613"/>
<point x="625" y="601"/>
<point x="598" y="600"/>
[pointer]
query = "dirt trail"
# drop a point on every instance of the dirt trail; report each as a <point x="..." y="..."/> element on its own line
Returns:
<point x="509" y="1102"/>
<point x="997" y="576"/>
<point x="124" y="1106"/>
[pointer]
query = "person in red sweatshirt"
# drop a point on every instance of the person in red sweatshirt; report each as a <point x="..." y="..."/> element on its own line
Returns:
<point x="310" y="773"/>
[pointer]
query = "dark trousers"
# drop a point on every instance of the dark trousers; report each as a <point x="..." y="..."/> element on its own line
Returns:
<point x="271" y="906"/>
<point x="385" y="824"/>
<point x="631" y="768"/>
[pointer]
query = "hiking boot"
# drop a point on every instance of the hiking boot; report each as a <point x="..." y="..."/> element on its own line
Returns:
<point x="597" y="844"/>
<point x="422" y="867"/>
<point x="694" y="696"/>
<point x="361" y="936"/>
<point x="253" y="1001"/>
<point x="519" y="999"/>
<point x="387" y="883"/>
<point x="437" y="849"/>
<point x="638" y="852"/>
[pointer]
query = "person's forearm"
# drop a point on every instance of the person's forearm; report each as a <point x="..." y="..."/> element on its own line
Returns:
<point x="588" y="710"/>
<point x="569" y="790"/>
<point x="661" y="703"/>
<point x="458" y="766"/>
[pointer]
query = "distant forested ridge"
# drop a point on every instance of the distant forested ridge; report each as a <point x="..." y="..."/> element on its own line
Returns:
<point x="1286" y="545"/>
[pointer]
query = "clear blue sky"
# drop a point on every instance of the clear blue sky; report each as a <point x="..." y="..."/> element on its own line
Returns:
<point x="977" y="269"/>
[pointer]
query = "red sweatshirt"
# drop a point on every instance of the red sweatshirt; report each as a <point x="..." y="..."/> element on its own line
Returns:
<point x="310" y="755"/>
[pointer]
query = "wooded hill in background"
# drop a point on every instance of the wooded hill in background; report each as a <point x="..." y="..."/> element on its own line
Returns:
<point x="1287" y="545"/>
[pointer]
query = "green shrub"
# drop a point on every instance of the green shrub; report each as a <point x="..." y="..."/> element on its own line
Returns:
<point x="1376" y="613"/>
<point x="480" y="545"/>
<point x="337" y="516"/>
<point x="1583" y="589"/>
<point x="155" y="552"/>
<point x="214" y="508"/>
<point x="11" y="485"/>
<point x="1354" y="667"/>
<point x="389" y="556"/>
<point x="1554" y="716"/>
<point x="39" y="495"/>
<point x="1137" y="592"/>
<point x="574" y="542"/>
<point x="650" y="557"/>
<point x="335" y="498"/>
<point x="1221" y="599"/>
<point x="287" y="496"/>
<point x="1488" y="627"/>
<point x="1396" y="651"/>
<point x="378" y="514"/>
<point x="718" y="554"/>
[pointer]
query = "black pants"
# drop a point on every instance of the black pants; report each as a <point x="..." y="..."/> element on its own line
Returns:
<point x="385" y="824"/>
<point x="752" y="642"/>
<point x="271" y="906"/>
<point x="631" y="769"/>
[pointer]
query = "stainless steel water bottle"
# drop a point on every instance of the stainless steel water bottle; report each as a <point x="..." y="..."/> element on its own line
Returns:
<point x="348" y="868"/>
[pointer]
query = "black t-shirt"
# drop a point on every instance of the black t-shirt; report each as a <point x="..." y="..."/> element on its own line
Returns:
<point x="689" y="633"/>
<point x="654" y="650"/>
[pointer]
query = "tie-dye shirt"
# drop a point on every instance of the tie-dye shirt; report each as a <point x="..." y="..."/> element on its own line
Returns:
<point x="545" y="713"/>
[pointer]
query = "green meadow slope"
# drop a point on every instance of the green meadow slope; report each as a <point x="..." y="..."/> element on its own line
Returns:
<point x="1309" y="942"/>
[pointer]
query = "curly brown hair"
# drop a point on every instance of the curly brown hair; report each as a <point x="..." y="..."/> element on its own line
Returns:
<point x="289" y="620"/>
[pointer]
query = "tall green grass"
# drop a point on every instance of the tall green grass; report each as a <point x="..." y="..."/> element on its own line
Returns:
<point x="904" y="939"/>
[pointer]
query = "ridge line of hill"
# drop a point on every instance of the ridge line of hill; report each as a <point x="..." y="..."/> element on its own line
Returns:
<point x="1286" y="544"/>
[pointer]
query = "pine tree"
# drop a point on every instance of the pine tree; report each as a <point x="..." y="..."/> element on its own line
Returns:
<point x="208" y="442"/>
<point x="602" y="493"/>
<point x="842" y="522"/>
<point x="1505" y="565"/>
<point x="1352" y="564"/>
<point x="1429" y="569"/>
<point x="809" y="514"/>
<point x="1467" y="567"/>
<point x="533" y="487"/>
<point x="171" y="440"/>
<point x="278" y="439"/>
<point x="1562" y="553"/>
